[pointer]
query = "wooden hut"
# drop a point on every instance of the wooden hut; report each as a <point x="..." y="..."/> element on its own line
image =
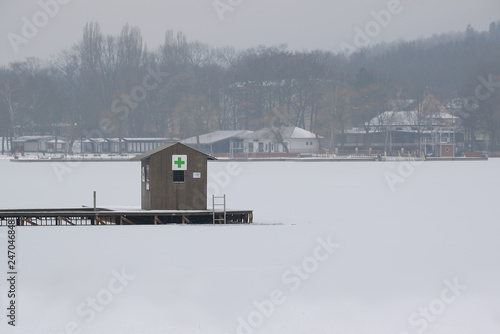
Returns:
<point x="174" y="177"/>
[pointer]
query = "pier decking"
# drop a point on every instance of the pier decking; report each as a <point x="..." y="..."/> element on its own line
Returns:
<point x="103" y="216"/>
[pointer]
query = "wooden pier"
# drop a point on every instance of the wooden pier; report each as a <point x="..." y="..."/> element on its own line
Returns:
<point x="102" y="216"/>
<point x="173" y="178"/>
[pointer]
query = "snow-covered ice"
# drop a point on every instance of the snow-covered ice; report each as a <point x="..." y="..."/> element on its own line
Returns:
<point x="399" y="251"/>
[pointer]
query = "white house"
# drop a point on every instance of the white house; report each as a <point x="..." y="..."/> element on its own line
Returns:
<point x="290" y="139"/>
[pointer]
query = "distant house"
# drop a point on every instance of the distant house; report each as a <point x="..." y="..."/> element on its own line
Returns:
<point x="57" y="146"/>
<point x="118" y="145"/>
<point x="219" y="142"/>
<point x="38" y="144"/>
<point x="430" y="128"/>
<point x="292" y="139"/>
<point x="94" y="145"/>
<point x="141" y="145"/>
<point x="282" y="141"/>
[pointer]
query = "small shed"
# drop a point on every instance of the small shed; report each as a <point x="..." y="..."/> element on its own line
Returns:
<point x="31" y="144"/>
<point x="174" y="177"/>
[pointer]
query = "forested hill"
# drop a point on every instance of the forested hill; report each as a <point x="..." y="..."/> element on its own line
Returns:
<point x="448" y="64"/>
<point x="115" y="86"/>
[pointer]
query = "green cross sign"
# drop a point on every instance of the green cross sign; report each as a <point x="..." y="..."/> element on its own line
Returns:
<point x="179" y="162"/>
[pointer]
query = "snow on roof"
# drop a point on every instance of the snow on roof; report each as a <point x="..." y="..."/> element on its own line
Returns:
<point x="410" y="118"/>
<point x="163" y="147"/>
<point x="160" y="140"/>
<point x="286" y="132"/>
<point x="150" y="139"/>
<point x="98" y="140"/>
<point x="395" y="118"/>
<point x="30" y="138"/>
<point x="214" y="137"/>
<point x="302" y="134"/>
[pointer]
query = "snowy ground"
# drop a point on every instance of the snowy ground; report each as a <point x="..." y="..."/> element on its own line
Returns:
<point x="361" y="247"/>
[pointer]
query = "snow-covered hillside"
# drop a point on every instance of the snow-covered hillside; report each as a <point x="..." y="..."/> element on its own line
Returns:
<point x="349" y="247"/>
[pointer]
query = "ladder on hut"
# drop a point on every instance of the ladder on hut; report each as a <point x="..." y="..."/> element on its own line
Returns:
<point x="219" y="216"/>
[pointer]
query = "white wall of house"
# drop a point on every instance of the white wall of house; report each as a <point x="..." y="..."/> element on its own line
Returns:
<point x="272" y="146"/>
<point x="36" y="145"/>
<point x="32" y="146"/>
<point x="294" y="140"/>
<point x="304" y="145"/>
<point x="263" y="146"/>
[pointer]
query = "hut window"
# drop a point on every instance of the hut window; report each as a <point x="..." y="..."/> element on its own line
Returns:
<point x="178" y="176"/>
<point x="147" y="177"/>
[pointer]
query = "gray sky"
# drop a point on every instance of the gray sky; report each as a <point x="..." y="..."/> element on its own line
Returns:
<point x="311" y="24"/>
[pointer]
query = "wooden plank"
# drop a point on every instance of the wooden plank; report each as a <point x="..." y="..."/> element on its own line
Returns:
<point x="67" y="221"/>
<point x="29" y="221"/>
<point x="100" y="221"/>
<point x="128" y="221"/>
<point x="111" y="218"/>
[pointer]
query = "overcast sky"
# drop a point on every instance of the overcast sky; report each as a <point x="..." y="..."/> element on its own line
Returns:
<point x="302" y="24"/>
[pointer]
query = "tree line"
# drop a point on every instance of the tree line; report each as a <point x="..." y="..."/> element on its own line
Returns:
<point x="114" y="86"/>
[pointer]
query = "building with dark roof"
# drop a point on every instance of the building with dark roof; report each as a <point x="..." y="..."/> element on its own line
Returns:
<point x="219" y="142"/>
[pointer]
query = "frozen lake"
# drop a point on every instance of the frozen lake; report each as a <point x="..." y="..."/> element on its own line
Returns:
<point x="339" y="247"/>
